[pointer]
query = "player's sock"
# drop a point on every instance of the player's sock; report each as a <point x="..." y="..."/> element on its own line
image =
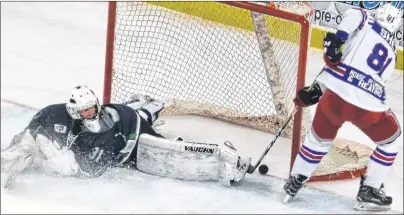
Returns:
<point x="310" y="155"/>
<point x="380" y="163"/>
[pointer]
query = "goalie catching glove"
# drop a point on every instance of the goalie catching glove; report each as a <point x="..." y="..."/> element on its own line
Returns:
<point x="308" y="96"/>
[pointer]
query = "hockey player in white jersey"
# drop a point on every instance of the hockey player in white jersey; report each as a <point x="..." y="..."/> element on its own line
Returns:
<point x="353" y="90"/>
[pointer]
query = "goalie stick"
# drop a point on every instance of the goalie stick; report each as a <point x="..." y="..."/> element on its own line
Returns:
<point x="252" y="168"/>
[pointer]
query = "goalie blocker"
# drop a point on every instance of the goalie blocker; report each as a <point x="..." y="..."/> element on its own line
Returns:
<point x="190" y="161"/>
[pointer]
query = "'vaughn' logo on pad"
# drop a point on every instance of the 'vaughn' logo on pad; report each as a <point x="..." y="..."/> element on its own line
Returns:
<point x="199" y="149"/>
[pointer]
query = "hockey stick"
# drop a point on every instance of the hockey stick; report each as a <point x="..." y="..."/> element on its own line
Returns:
<point x="252" y="168"/>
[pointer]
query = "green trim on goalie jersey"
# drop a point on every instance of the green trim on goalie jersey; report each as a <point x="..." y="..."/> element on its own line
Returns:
<point x="132" y="136"/>
<point x="241" y="18"/>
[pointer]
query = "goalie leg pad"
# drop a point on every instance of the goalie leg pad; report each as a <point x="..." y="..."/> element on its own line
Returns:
<point x="63" y="164"/>
<point x="55" y="159"/>
<point x="147" y="107"/>
<point x="19" y="155"/>
<point x="177" y="159"/>
<point x="151" y="111"/>
<point x="187" y="160"/>
<point x="231" y="168"/>
<point x="48" y="148"/>
<point x="21" y="146"/>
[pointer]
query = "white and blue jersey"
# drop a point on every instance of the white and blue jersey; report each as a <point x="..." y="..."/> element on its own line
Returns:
<point x="369" y="58"/>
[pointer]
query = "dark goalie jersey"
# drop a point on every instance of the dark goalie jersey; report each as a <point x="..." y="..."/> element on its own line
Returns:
<point x="52" y="121"/>
<point x="94" y="152"/>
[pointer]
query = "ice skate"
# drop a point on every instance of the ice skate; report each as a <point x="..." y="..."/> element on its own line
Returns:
<point x="294" y="184"/>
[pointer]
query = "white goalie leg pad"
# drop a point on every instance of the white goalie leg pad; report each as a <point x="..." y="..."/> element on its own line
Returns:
<point x="20" y="155"/>
<point x="231" y="168"/>
<point x="48" y="148"/>
<point x="147" y="107"/>
<point x="177" y="159"/>
<point x="137" y="101"/>
<point x="20" y="149"/>
<point x="151" y="110"/>
<point x="189" y="161"/>
<point x="39" y="152"/>
<point x="64" y="164"/>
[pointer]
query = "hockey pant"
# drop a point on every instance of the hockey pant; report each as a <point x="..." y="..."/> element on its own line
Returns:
<point x="190" y="161"/>
<point x="332" y="111"/>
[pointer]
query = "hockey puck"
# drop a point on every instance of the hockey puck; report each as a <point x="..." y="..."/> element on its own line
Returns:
<point x="263" y="169"/>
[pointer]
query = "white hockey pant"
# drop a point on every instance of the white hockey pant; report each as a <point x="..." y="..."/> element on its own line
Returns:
<point x="190" y="161"/>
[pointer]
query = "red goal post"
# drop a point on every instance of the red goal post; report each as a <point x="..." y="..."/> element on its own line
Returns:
<point x="133" y="51"/>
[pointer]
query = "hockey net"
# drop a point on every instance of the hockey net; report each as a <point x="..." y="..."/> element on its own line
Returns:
<point x="235" y="61"/>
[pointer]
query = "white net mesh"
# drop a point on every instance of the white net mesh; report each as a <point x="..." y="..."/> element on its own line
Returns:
<point x="205" y="58"/>
<point x="202" y="66"/>
<point x="343" y="160"/>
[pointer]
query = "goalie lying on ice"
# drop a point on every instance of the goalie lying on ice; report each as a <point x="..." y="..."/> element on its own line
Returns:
<point x="83" y="138"/>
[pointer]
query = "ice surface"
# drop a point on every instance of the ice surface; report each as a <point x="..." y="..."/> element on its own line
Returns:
<point x="49" y="47"/>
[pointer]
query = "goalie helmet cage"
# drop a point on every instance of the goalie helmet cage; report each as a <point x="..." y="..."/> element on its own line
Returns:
<point x="204" y="66"/>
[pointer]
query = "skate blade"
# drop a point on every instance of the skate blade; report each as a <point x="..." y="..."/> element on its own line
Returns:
<point x="287" y="199"/>
<point x="367" y="206"/>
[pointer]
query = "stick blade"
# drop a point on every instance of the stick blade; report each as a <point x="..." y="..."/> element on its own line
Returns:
<point x="251" y="169"/>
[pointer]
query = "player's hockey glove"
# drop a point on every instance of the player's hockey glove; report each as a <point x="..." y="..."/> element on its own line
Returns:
<point x="307" y="97"/>
<point x="332" y="49"/>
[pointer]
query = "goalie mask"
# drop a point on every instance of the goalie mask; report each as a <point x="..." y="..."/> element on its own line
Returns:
<point x="84" y="105"/>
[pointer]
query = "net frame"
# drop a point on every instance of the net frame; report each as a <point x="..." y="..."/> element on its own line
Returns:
<point x="280" y="11"/>
<point x="297" y="7"/>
